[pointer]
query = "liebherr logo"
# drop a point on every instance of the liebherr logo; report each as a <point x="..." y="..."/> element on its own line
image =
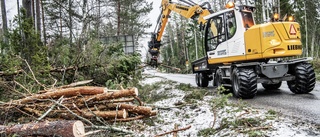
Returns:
<point x="182" y="8"/>
<point x="294" y="47"/>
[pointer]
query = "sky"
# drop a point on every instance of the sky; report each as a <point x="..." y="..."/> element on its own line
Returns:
<point x="11" y="7"/>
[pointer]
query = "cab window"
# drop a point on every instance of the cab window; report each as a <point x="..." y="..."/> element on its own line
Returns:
<point x="247" y="19"/>
<point x="215" y="32"/>
<point x="231" y="24"/>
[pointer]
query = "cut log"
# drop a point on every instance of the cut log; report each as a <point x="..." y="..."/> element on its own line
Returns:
<point x="128" y="119"/>
<point x="67" y="92"/>
<point x="132" y="108"/>
<point x="80" y="105"/>
<point x="57" y="128"/>
<point x="107" y="114"/>
<point x="33" y="111"/>
<point x="112" y="95"/>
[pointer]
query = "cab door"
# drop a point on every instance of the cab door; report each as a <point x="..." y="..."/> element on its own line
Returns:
<point x="215" y="38"/>
<point x="235" y="34"/>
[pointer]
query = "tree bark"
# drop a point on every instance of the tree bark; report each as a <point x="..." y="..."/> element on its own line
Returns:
<point x="57" y="128"/>
<point x="4" y="20"/>
<point x="313" y="38"/>
<point x="27" y="5"/>
<point x="132" y="108"/>
<point x="38" y="17"/>
<point x="68" y="92"/>
<point x="119" y="18"/>
<point x="70" y="23"/>
<point x="107" y="114"/>
<point x="113" y="95"/>
<point x="43" y="25"/>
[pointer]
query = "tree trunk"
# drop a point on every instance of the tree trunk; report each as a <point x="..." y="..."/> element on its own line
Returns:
<point x="99" y="18"/>
<point x="70" y="22"/>
<point x="60" y="19"/>
<point x="313" y="38"/>
<point x="119" y="18"/>
<point x="306" y="27"/>
<point x="27" y="5"/>
<point x="57" y="128"/>
<point x="4" y="20"/>
<point x="43" y="25"/>
<point x="38" y="17"/>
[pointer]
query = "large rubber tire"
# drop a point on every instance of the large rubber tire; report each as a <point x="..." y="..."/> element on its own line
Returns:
<point x="244" y="83"/>
<point x="203" y="80"/>
<point x="305" y="79"/>
<point x="218" y="81"/>
<point x="197" y="79"/>
<point x="272" y="86"/>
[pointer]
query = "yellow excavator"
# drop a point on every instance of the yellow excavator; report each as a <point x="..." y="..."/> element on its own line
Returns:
<point x="239" y="53"/>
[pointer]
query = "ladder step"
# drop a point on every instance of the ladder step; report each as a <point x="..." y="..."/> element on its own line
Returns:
<point x="226" y="78"/>
<point x="226" y="85"/>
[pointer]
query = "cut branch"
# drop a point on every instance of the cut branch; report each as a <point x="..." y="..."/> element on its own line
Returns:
<point x="173" y="131"/>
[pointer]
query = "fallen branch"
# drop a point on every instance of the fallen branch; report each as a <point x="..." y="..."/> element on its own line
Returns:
<point x="176" y="130"/>
<point x="256" y="128"/>
<point x="110" y="128"/>
<point x="51" y="108"/>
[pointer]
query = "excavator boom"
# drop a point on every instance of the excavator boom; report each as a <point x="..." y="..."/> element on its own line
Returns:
<point x="188" y="10"/>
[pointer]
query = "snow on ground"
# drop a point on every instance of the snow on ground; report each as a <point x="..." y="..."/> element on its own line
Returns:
<point x="199" y="115"/>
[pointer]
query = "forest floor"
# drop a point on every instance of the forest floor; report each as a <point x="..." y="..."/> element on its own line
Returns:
<point x="205" y="112"/>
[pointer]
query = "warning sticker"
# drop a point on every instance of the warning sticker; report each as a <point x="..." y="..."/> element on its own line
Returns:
<point x="292" y="30"/>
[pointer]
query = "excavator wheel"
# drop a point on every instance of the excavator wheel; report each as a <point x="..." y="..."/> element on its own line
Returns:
<point x="198" y="79"/>
<point x="305" y="79"/>
<point x="272" y="86"/>
<point x="203" y="80"/>
<point x="244" y="83"/>
<point x="218" y="78"/>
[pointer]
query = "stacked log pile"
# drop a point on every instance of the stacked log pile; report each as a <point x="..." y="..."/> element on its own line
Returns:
<point x="79" y="103"/>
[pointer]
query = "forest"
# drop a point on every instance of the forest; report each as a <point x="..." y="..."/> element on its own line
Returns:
<point x="53" y="43"/>
<point x="60" y="41"/>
